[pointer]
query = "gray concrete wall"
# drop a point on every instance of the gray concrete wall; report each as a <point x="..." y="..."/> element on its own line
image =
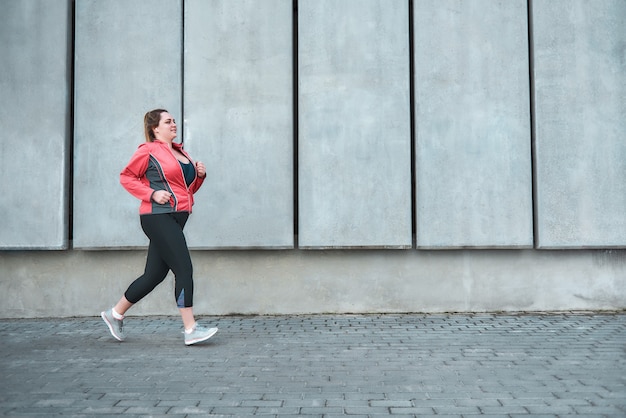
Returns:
<point x="225" y="70"/>
<point x="82" y="283"/>
<point x="238" y="100"/>
<point x="128" y="60"/>
<point x="580" y="87"/>
<point x="472" y="123"/>
<point x="35" y="38"/>
<point x="354" y="126"/>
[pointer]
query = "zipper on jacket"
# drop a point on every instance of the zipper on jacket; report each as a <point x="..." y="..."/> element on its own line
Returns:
<point x="182" y="173"/>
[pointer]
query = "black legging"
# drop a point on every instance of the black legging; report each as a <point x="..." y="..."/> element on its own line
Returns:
<point x="167" y="251"/>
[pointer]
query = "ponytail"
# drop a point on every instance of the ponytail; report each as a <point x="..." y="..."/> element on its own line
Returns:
<point x="150" y="121"/>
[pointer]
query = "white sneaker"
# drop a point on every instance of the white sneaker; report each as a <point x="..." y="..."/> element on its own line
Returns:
<point x="116" y="326"/>
<point x="199" y="334"/>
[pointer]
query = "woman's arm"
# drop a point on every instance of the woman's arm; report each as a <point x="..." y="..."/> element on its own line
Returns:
<point x="132" y="176"/>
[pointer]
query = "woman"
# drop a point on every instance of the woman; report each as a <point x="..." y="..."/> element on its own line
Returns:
<point x="164" y="177"/>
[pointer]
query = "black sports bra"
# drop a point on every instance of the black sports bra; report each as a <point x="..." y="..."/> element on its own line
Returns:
<point x="189" y="171"/>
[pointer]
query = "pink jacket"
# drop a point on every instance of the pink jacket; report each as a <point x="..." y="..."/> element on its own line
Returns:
<point x="155" y="167"/>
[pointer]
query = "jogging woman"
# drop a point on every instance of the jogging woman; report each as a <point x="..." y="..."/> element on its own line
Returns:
<point x="164" y="178"/>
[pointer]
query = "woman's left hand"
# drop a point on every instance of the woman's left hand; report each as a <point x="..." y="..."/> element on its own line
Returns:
<point x="200" y="169"/>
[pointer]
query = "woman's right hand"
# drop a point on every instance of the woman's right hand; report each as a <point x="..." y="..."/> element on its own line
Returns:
<point x="161" y="196"/>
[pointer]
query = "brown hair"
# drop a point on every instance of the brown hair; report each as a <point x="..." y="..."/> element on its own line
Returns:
<point x="151" y="121"/>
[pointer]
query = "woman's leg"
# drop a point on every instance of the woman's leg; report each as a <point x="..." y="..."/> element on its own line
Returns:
<point x="189" y="321"/>
<point x="122" y="306"/>
<point x="154" y="273"/>
<point x="171" y="247"/>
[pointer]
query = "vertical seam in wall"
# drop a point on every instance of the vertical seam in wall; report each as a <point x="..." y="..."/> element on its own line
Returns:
<point x="533" y="135"/>
<point x="294" y="28"/>
<point x="182" y="69"/>
<point x="70" y="124"/>
<point x="412" y="129"/>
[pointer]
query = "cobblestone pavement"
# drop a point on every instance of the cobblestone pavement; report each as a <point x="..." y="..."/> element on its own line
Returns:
<point x="457" y="365"/>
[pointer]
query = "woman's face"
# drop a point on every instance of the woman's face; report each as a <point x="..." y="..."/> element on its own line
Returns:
<point x="166" y="131"/>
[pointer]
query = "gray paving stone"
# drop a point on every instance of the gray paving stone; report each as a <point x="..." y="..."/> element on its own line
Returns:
<point x="413" y="411"/>
<point x="324" y="365"/>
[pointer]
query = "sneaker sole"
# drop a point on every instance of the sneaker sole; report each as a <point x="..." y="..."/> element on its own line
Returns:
<point x="199" y="340"/>
<point x="106" y="321"/>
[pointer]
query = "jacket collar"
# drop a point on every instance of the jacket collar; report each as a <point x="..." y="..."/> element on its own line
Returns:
<point x="177" y="145"/>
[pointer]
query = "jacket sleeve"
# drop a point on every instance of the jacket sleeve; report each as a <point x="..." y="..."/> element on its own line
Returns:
<point x="195" y="186"/>
<point x="132" y="176"/>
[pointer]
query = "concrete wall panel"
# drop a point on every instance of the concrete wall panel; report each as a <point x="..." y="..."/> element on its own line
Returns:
<point x="34" y="116"/>
<point x="472" y="116"/>
<point x="239" y="121"/>
<point x="127" y="62"/>
<point x="303" y="282"/>
<point x="580" y="101"/>
<point x="354" y="124"/>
